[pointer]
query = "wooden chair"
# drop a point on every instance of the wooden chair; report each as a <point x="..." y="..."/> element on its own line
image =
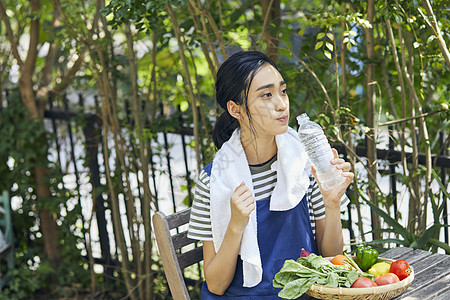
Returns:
<point x="173" y="258"/>
<point x="6" y="236"/>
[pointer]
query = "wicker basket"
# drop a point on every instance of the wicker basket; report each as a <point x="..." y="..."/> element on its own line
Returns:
<point x="383" y="292"/>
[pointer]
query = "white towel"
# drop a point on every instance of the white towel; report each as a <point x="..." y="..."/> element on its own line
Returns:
<point x="230" y="168"/>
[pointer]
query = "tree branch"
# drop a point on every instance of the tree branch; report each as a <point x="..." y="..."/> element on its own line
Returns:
<point x="30" y="60"/>
<point x="266" y="17"/>
<point x="322" y="87"/>
<point x="70" y="75"/>
<point x="411" y="118"/>
<point x="435" y="28"/>
<point x="10" y="34"/>
<point x="189" y="82"/>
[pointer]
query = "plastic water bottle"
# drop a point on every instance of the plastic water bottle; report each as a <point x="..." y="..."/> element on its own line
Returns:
<point x="319" y="152"/>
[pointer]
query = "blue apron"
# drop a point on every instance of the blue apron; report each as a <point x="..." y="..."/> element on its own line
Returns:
<point x="281" y="236"/>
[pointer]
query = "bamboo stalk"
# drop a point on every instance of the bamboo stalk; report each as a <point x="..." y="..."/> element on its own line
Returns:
<point x="117" y="222"/>
<point x="153" y="91"/>
<point x="205" y="51"/>
<point x="436" y="30"/>
<point x="415" y="184"/>
<point x="190" y="87"/>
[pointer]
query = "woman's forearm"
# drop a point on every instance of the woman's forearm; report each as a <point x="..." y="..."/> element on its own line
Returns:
<point x="331" y="240"/>
<point x="219" y="271"/>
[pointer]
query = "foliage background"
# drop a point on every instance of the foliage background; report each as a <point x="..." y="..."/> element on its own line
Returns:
<point x="352" y="65"/>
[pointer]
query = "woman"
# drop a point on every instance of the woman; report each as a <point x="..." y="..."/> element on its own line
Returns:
<point x="258" y="203"/>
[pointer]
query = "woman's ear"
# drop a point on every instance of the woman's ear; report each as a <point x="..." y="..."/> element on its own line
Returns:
<point x="233" y="109"/>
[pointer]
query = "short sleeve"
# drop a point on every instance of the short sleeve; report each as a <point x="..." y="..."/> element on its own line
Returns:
<point x="316" y="200"/>
<point x="200" y="219"/>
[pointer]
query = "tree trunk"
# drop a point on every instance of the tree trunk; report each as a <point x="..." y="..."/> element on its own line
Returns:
<point x="27" y="69"/>
<point x="189" y="83"/>
<point x="370" y="114"/>
<point x="48" y="220"/>
<point x="272" y="17"/>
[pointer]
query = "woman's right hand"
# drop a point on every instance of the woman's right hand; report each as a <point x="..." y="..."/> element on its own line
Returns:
<point x="220" y="265"/>
<point x="242" y="203"/>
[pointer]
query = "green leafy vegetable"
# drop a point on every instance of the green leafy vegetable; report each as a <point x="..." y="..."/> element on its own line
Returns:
<point x="296" y="277"/>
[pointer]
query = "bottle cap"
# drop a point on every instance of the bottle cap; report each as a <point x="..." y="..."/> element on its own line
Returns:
<point x="302" y="118"/>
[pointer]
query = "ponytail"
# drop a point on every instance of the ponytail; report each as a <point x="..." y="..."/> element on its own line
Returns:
<point x="224" y="128"/>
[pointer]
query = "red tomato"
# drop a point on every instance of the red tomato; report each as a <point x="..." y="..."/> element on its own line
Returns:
<point x="387" y="278"/>
<point x="400" y="268"/>
<point x="363" y="282"/>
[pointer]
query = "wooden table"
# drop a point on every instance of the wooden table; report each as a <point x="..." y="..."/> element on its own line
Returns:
<point x="431" y="274"/>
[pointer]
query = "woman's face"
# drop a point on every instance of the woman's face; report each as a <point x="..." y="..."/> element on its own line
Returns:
<point x="268" y="103"/>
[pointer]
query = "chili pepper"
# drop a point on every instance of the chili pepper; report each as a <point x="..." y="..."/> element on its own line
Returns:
<point x="366" y="257"/>
<point x="304" y="253"/>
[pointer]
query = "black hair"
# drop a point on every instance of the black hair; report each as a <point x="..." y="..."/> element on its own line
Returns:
<point x="234" y="78"/>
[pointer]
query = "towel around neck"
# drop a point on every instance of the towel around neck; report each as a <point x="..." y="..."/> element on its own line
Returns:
<point x="230" y="168"/>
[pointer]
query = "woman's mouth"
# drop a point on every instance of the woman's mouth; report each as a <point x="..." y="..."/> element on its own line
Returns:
<point x="283" y="119"/>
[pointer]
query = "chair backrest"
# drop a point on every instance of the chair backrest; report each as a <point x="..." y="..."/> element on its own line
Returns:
<point x="5" y="226"/>
<point x="6" y="236"/>
<point x="174" y="259"/>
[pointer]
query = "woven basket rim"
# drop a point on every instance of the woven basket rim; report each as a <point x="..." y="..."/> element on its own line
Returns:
<point x="344" y="291"/>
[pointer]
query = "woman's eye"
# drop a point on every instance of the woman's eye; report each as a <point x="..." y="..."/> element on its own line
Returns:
<point x="267" y="95"/>
<point x="284" y="91"/>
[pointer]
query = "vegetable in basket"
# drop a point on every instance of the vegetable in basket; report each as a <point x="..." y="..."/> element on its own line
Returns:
<point x="366" y="257"/>
<point x="363" y="282"/>
<point x="380" y="269"/>
<point x="400" y="268"/>
<point x="387" y="278"/>
<point x="296" y="277"/>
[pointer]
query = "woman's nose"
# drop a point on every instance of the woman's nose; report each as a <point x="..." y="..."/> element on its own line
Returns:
<point x="280" y="103"/>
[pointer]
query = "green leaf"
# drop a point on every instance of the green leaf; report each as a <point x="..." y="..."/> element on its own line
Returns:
<point x="440" y="244"/>
<point x="431" y="232"/>
<point x="388" y="219"/>
<point x="333" y="279"/>
<point x="351" y="277"/>
<point x="329" y="46"/>
<point x="327" y="54"/>
<point x="316" y="261"/>
<point x="320" y="35"/>
<point x="330" y="36"/>
<point x="390" y="240"/>
<point x="444" y="190"/>
<point x="318" y="45"/>
<point x="296" y="288"/>
<point x="431" y="38"/>
<point x="281" y="279"/>
<point x="285" y="52"/>
<point x="380" y="230"/>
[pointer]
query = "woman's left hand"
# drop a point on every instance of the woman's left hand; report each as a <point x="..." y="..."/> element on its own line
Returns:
<point x="332" y="198"/>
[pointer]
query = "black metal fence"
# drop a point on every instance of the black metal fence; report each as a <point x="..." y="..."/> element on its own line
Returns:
<point x="89" y="131"/>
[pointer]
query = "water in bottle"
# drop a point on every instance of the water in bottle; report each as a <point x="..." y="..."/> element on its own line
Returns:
<point x="319" y="152"/>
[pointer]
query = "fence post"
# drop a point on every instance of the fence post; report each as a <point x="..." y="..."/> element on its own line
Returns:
<point x="444" y="212"/>
<point x="392" y="174"/>
<point x="186" y="166"/>
<point x="54" y="127"/>
<point x="93" y="137"/>
<point x="169" y="168"/>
